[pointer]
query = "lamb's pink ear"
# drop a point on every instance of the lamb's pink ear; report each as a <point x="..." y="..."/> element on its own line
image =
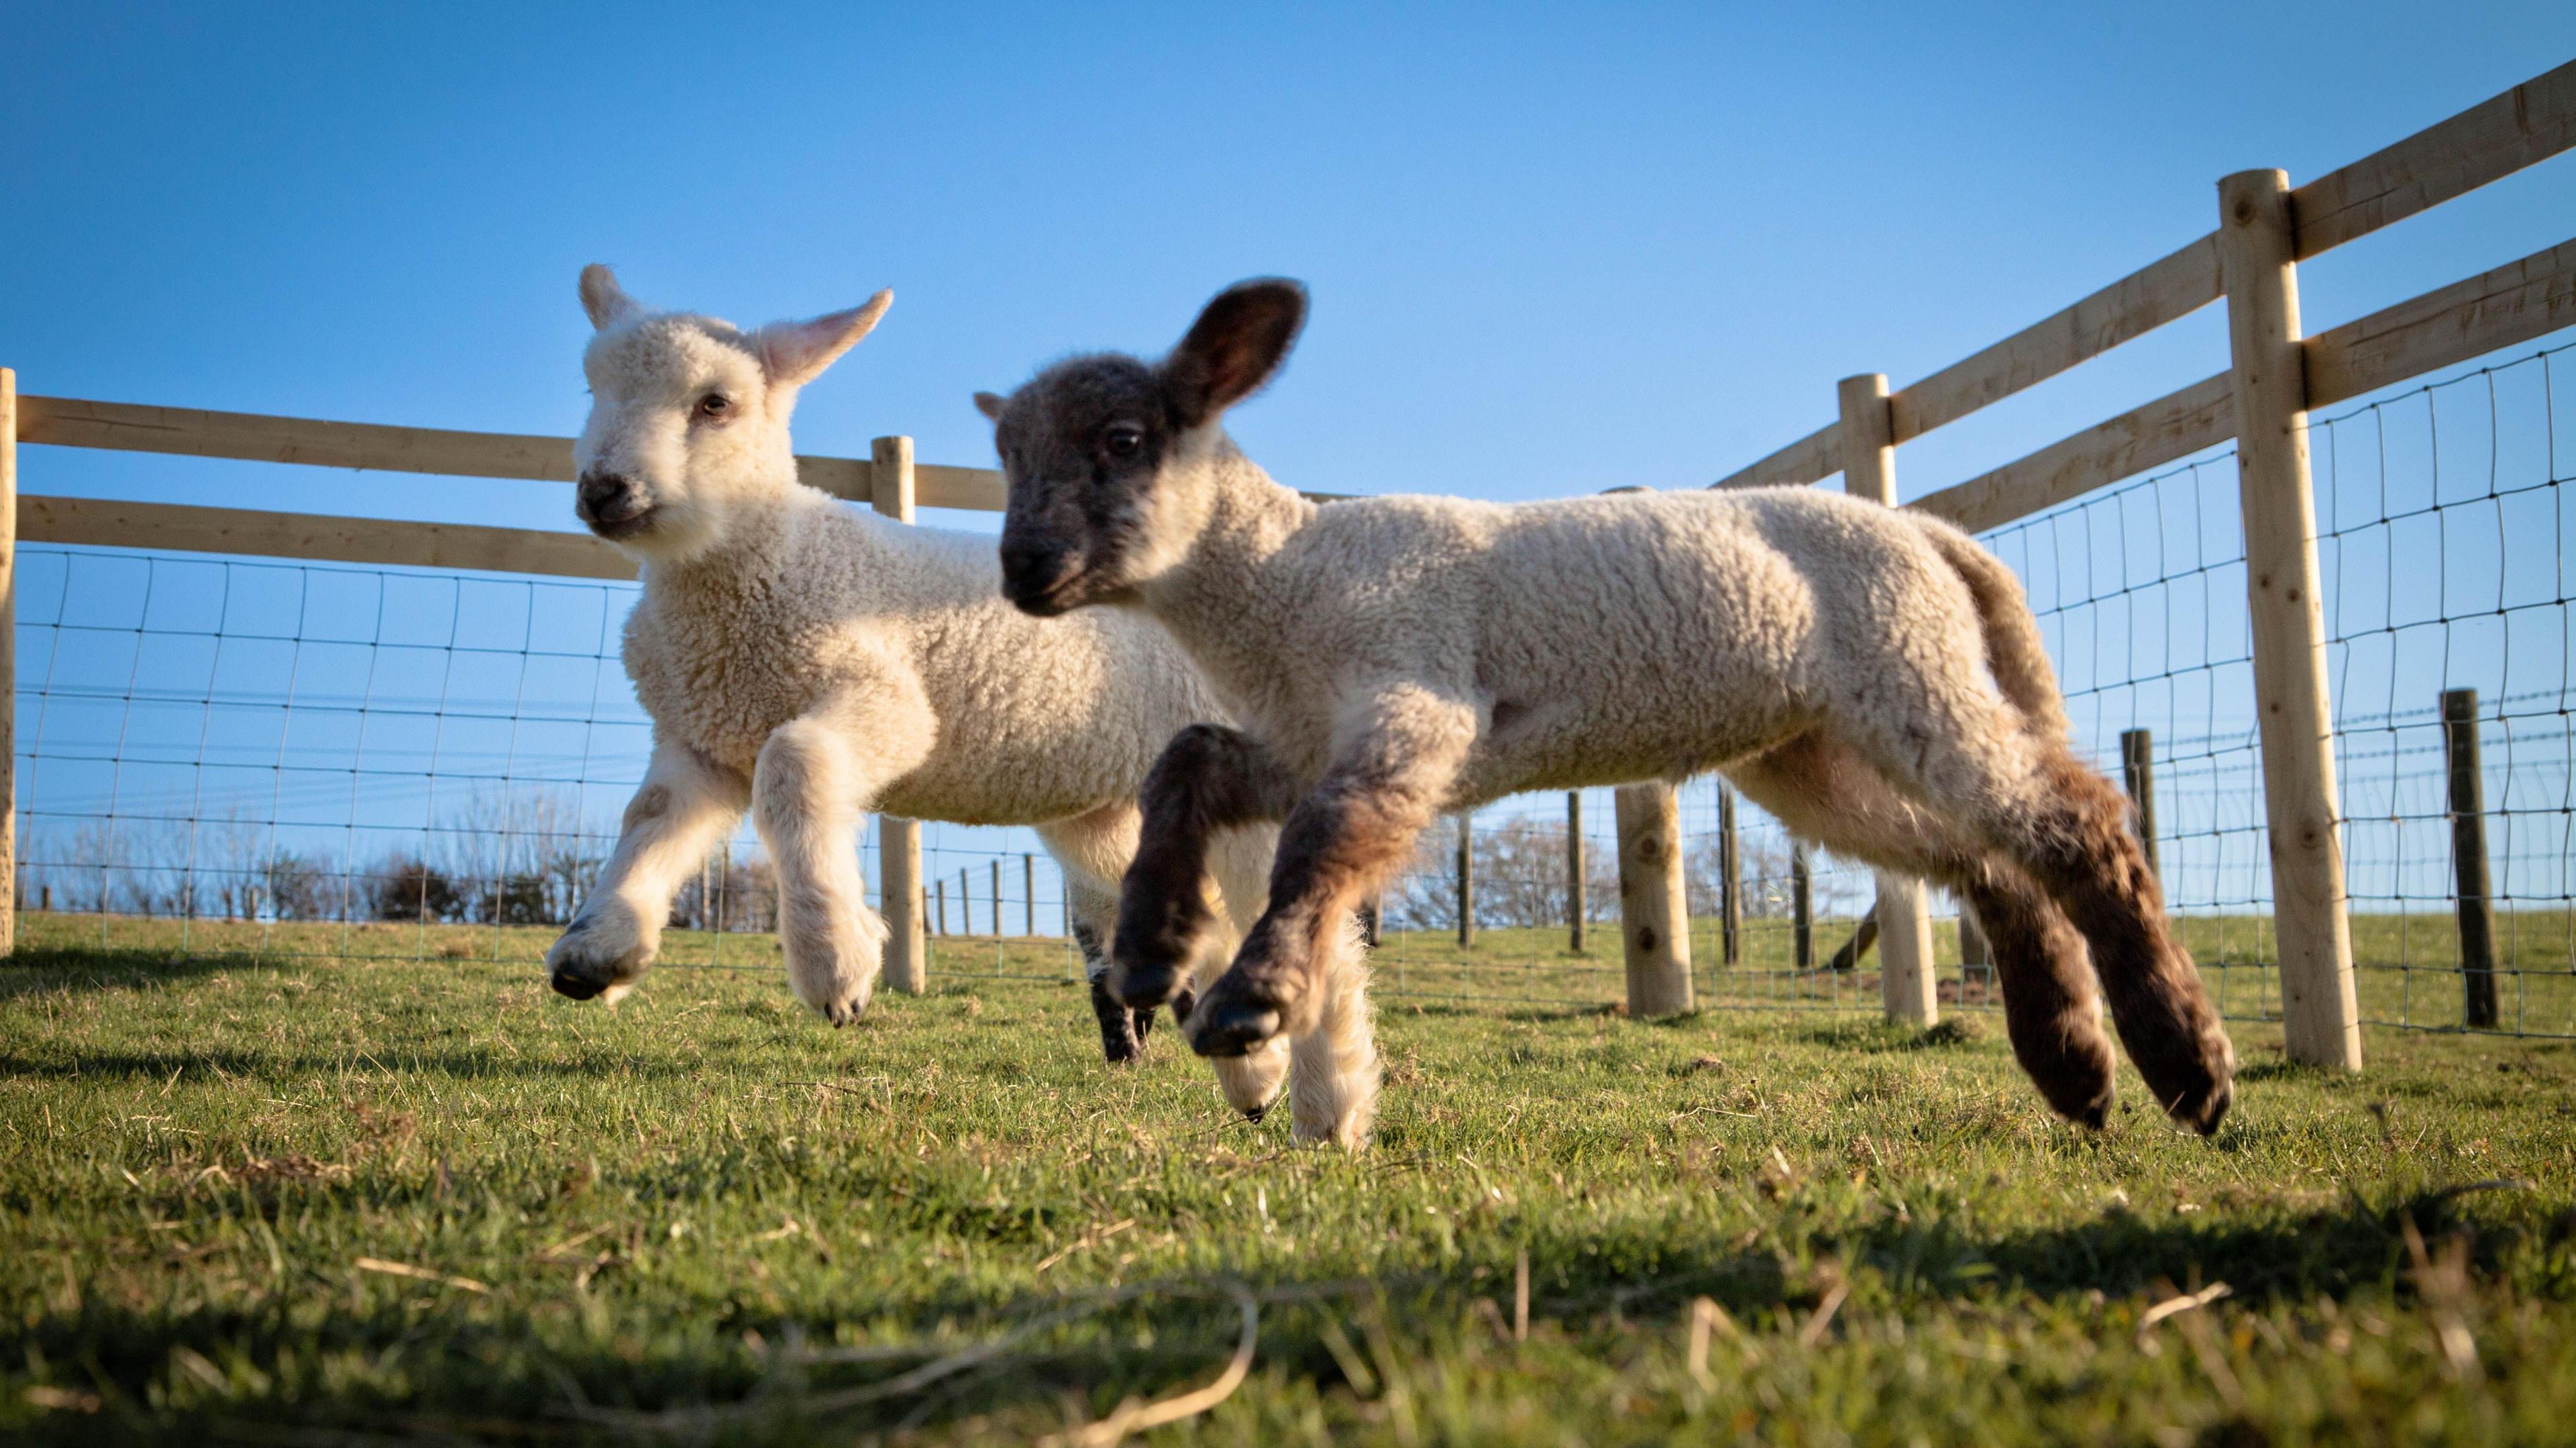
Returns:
<point x="604" y="299"/>
<point x="989" y="404"/>
<point x="1235" y="346"/>
<point x="794" y="353"/>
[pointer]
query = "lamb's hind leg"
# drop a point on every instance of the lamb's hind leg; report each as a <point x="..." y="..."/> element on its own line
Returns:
<point x="1937" y="731"/>
<point x="2071" y="832"/>
<point x="1829" y="794"/>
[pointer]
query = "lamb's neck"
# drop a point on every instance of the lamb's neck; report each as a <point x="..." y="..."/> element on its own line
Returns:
<point x="748" y="554"/>
<point x="1215" y="600"/>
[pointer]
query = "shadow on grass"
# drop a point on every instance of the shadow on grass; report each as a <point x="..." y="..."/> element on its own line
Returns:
<point x="35" y="971"/>
<point x="710" y="1371"/>
<point x="453" y="1065"/>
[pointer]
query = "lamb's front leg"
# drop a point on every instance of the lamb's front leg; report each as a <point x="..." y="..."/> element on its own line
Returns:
<point x="686" y="802"/>
<point x="807" y="792"/>
<point x="1393" y="769"/>
<point x="1209" y="778"/>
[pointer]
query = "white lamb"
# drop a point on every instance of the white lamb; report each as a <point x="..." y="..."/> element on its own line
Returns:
<point x="814" y="663"/>
<point x="1871" y="676"/>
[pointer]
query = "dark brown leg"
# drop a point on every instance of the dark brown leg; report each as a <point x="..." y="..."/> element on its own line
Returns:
<point x="1340" y="842"/>
<point x="1209" y="778"/>
<point x="2080" y="850"/>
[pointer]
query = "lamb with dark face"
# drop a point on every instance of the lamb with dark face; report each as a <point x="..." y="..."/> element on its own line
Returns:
<point x="1871" y="676"/>
<point x="1102" y="451"/>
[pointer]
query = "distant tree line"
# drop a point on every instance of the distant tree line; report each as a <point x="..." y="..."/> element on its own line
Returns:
<point x="504" y="857"/>
<point x="1520" y="876"/>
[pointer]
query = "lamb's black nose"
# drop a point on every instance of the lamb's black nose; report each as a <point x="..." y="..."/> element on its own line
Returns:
<point x="1031" y="568"/>
<point x="607" y="498"/>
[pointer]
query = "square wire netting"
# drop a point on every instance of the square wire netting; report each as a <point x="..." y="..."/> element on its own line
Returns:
<point x="220" y="755"/>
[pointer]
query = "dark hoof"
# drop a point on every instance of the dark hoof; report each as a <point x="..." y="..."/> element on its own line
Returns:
<point x="2204" y="1112"/>
<point x="580" y="988"/>
<point x="1228" y="1023"/>
<point x="1119" y="1040"/>
<point x="1142" y="987"/>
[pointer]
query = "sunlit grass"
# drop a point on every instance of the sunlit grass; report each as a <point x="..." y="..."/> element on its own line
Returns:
<point x="309" y="1198"/>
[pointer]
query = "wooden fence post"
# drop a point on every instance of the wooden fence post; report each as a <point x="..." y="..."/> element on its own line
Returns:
<point x="1654" y="900"/>
<point x="2267" y="379"/>
<point x="2138" y="773"/>
<point x="1730" y="882"/>
<point x="1574" y="901"/>
<point x="899" y="887"/>
<point x="1906" y="984"/>
<point x="1466" y="882"/>
<point x="2476" y="893"/>
<point x="8" y="661"/>
<point x="1802" y="910"/>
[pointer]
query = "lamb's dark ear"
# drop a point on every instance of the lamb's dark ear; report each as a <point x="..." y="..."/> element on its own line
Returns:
<point x="989" y="404"/>
<point x="1235" y="346"/>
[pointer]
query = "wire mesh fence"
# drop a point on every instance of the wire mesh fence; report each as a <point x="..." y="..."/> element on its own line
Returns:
<point x="309" y="759"/>
<point x="327" y="760"/>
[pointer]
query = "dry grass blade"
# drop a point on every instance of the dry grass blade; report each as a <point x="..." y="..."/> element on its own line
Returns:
<point x="419" y="1274"/>
<point x="1134" y="1417"/>
<point x="1814" y="1331"/>
<point x="1084" y="1243"/>
<point x="2183" y="1302"/>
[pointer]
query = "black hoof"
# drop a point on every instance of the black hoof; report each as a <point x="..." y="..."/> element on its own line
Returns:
<point x="1142" y="987"/>
<point x="1226" y="1025"/>
<point x="580" y="988"/>
<point x="1118" y="1036"/>
<point x="2205" y="1115"/>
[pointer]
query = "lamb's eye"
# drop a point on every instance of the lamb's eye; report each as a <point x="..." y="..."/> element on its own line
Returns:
<point x="715" y="405"/>
<point x="1123" y="442"/>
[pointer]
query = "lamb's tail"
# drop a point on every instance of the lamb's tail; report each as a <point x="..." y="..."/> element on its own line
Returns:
<point x="2015" y="653"/>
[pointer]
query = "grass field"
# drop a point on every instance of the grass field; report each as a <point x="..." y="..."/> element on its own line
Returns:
<point x="320" y="1200"/>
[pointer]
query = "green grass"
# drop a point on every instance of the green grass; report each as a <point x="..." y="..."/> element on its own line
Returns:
<point x="705" y="1199"/>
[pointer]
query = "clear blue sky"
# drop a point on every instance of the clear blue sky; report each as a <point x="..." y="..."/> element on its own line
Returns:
<point x="1552" y="251"/>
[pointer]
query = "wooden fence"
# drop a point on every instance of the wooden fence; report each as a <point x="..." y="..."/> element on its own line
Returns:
<point x="2265" y="227"/>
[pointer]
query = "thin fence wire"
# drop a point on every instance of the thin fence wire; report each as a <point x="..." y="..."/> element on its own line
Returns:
<point x="310" y="759"/>
<point x="314" y="760"/>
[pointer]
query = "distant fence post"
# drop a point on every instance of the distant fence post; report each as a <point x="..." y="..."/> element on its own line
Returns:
<point x="1028" y="894"/>
<point x="1802" y="910"/>
<point x="1654" y="900"/>
<point x="1574" y="902"/>
<point x="1730" y="877"/>
<point x="2138" y="774"/>
<point x="907" y="955"/>
<point x="1906" y="985"/>
<point x="2469" y="855"/>
<point x="1466" y="881"/>
<point x="2267" y="378"/>
<point x="8" y="661"/>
